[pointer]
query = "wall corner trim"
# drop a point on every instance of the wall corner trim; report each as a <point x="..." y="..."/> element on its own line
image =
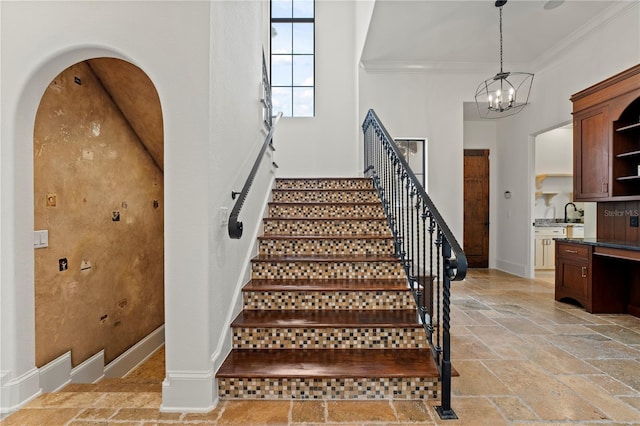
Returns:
<point x="14" y="393"/>
<point x="191" y="392"/>
<point x="136" y="355"/>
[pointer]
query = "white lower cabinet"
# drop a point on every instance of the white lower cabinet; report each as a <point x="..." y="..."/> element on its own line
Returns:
<point x="546" y="245"/>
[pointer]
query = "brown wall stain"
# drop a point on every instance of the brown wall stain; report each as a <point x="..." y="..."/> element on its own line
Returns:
<point x="136" y="97"/>
<point x="99" y="193"/>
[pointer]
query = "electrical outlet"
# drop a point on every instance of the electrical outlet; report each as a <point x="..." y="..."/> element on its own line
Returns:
<point x="633" y="221"/>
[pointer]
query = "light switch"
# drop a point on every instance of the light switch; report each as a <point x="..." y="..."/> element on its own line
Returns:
<point x="40" y="239"/>
<point x="224" y="216"/>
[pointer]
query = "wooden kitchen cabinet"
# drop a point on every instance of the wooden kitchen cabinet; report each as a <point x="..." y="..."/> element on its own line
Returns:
<point x="606" y="139"/>
<point x="591" y="154"/>
<point x="626" y="152"/>
<point x="573" y="273"/>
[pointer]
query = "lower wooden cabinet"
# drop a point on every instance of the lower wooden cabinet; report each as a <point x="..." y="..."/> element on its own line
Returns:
<point x="573" y="273"/>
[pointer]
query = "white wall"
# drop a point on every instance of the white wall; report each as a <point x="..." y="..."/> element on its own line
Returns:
<point x="605" y="51"/>
<point x="327" y="145"/>
<point x="482" y="135"/>
<point x="235" y="143"/>
<point x="212" y="126"/>
<point x="554" y="151"/>
<point x="428" y="105"/>
<point x="554" y="155"/>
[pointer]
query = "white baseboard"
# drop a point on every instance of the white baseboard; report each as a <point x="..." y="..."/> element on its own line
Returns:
<point x="14" y="393"/>
<point x="56" y="374"/>
<point x="189" y="392"/>
<point x="512" y="268"/>
<point x="89" y="371"/>
<point x="136" y="355"/>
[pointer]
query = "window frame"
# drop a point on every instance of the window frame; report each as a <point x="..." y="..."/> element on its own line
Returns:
<point x="293" y="20"/>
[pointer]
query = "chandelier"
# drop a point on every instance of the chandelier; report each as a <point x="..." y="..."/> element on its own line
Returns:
<point x="506" y="93"/>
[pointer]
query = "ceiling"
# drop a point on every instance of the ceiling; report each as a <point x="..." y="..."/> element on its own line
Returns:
<point x="463" y="36"/>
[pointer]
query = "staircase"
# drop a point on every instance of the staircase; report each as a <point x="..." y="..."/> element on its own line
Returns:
<point x="327" y="313"/>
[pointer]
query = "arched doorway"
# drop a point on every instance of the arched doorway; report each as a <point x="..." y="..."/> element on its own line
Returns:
<point x="98" y="194"/>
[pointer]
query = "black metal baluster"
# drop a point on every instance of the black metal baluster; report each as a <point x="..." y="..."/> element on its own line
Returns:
<point x="425" y="291"/>
<point x="397" y="202"/>
<point x="400" y="192"/>
<point x="445" y="410"/>
<point x="432" y="230"/>
<point x="416" y="220"/>
<point x="412" y="235"/>
<point x="438" y="312"/>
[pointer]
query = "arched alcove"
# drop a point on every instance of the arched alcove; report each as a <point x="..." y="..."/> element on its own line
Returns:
<point x="98" y="194"/>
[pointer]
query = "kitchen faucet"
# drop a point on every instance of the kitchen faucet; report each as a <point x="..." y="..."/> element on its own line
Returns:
<point x="566" y="219"/>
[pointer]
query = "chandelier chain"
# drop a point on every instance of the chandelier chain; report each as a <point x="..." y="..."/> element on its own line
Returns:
<point x="500" y="39"/>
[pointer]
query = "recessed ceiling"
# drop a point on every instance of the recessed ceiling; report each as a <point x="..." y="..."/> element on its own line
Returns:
<point x="463" y="36"/>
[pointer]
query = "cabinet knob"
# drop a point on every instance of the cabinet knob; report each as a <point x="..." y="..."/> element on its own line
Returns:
<point x="583" y="271"/>
<point x="571" y="251"/>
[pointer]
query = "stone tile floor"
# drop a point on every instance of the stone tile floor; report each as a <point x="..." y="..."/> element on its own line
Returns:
<point x="523" y="359"/>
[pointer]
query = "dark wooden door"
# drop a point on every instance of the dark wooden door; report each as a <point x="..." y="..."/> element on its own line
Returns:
<point x="476" y="207"/>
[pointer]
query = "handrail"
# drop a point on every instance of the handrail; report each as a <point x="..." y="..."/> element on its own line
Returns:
<point x="423" y="242"/>
<point x="460" y="262"/>
<point x="235" y="226"/>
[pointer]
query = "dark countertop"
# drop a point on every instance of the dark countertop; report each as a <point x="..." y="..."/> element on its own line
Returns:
<point x="545" y="223"/>
<point x="624" y="245"/>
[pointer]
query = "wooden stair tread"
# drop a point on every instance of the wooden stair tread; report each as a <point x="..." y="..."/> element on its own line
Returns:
<point x="357" y="178"/>
<point x="327" y="219"/>
<point x="323" y="190"/>
<point x="326" y="203"/>
<point x="326" y="258"/>
<point x="325" y="237"/>
<point x="327" y="284"/>
<point x="328" y="363"/>
<point x="327" y="318"/>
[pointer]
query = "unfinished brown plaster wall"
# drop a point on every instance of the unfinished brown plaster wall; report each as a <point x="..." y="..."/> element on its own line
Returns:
<point x="100" y="282"/>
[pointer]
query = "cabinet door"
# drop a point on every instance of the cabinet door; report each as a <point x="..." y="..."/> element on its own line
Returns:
<point x="572" y="281"/>
<point x="539" y="253"/>
<point x="550" y="253"/>
<point x="591" y="154"/>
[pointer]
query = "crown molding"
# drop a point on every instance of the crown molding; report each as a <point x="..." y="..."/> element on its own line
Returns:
<point x="408" y="66"/>
<point x="616" y="9"/>
<point x="490" y="68"/>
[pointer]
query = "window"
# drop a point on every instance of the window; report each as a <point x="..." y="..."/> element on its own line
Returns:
<point x="292" y="57"/>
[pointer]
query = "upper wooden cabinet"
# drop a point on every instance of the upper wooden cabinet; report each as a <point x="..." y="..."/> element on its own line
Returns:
<point x="591" y="130"/>
<point x="606" y="139"/>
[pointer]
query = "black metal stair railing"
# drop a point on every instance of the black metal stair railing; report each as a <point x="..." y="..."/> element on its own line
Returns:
<point x="235" y="225"/>
<point x="428" y="250"/>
